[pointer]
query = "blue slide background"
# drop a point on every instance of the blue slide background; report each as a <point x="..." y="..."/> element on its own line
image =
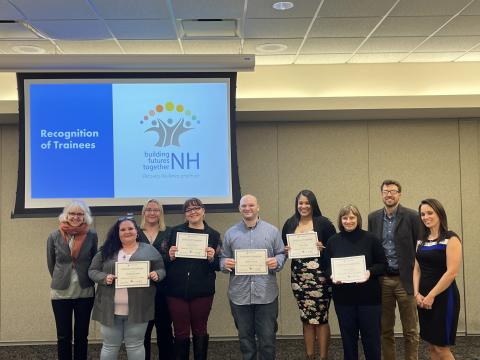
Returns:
<point x="72" y="173"/>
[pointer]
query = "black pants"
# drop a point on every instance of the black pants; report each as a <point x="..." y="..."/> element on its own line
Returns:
<point x="63" y="311"/>
<point x="163" y="325"/>
<point x="364" y="319"/>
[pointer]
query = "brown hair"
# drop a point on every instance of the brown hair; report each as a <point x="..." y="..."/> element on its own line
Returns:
<point x="391" y="182"/>
<point x="347" y="209"/>
<point x="442" y="216"/>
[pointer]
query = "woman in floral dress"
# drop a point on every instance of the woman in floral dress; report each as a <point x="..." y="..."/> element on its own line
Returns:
<point x="310" y="287"/>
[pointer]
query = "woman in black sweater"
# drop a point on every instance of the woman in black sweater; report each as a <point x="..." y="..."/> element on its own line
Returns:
<point x="357" y="304"/>
<point x="191" y="283"/>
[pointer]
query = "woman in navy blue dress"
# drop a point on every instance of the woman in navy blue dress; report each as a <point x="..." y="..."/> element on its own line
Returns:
<point x="438" y="259"/>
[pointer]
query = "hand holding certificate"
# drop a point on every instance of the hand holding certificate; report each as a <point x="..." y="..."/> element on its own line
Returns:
<point x="192" y="245"/>
<point x="303" y="245"/>
<point x="251" y="262"/>
<point x="132" y="274"/>
<point x="349" y="269"/>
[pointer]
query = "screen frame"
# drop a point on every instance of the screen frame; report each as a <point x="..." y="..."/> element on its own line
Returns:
<point x="21" y="211"/>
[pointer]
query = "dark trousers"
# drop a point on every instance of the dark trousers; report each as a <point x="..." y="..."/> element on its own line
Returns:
<point x="256" y="321"/>
<point x="63" y="311"/>
<point x="190" y="314"/>
<point x="365" y="319"/>
<point x="163" y="325"/>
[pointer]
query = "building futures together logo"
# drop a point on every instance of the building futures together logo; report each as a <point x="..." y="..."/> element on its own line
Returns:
<point x="169" y="121"/>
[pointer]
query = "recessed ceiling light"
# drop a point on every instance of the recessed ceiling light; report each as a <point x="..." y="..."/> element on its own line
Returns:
<point x="28" y="49"/>
<point x="271" y="48"/>
<point x="283" y="5"/>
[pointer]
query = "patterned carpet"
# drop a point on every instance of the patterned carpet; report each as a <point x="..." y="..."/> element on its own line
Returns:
<point x="468" y="347"/>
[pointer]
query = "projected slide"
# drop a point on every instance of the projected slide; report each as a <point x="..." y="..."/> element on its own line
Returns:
<point x="119" y="142"/>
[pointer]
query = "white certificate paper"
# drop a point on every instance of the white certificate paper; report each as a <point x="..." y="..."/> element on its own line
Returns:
<point x="192" y="245"/>
<point x="303" y="245"/>
<point x="132" y="274"/>
<point x="251" y="262"/>
<point x="349" y="269"/>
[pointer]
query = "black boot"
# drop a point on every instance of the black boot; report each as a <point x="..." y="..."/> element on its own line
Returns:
<point x="200" y="347"/>
<point x="182" y="349"/>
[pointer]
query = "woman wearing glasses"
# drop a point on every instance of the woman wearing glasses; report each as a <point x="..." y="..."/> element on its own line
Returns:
<point x="124" y="313"/>
<point x="191" y="280"/>
<point x="310" y="285"/>
<point x="153" y="231"/>
<point x="70" y="250"/>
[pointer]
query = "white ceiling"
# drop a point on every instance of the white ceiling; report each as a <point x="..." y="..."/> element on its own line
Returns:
<point x="313" y="32"/>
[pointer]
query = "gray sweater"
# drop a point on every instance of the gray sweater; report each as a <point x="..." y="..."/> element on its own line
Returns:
<point x="141" y="301"/>
<point x="59" y="260"/>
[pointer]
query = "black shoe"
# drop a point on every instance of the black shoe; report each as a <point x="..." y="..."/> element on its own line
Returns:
<point x="182" y="349"/>
<point x="200" y="347"/>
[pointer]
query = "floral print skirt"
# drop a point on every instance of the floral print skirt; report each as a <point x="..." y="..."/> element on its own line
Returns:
<point x="311" y="290"/>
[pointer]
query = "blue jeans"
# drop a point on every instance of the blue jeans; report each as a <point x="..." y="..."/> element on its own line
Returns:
<point x="260" y="321"/>
<point x="365" y="319"/>
<point x="122" y="330"/>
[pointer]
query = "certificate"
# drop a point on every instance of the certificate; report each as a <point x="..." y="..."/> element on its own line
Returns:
<point x="349" y="269"/>
<point x="303" y="245"/>
<point x="132" y="274"/>
<point x="251" y="262"/>
<point x="191" y="245"/>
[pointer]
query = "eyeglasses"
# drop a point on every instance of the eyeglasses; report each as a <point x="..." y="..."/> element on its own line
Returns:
<point x="152" y="210"/>
<point x="126" y="217"/>
<point x="392" y="192"/>
<point x="77" y="214"/>
<point x="192" y="209"/>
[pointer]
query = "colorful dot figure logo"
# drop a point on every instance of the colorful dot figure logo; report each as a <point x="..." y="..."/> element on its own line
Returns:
<point x="169" y="121"/>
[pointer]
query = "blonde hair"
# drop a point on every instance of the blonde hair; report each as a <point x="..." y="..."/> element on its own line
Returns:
<point x="161" y="218"/>
<point x="87" y="218"/>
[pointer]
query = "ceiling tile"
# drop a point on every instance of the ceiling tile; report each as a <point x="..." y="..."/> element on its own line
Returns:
<point x="128" y="9"/>
<point x="6" y="46"/>
<point x="343" y="27"/>
<point x="473" y="9"/>
<point x="377" y="58"/>
<point x="274" y="59"/>
<point x="15" y="31"/>
<point x="428" y="7"/>
<point x="432" y="57"/>
<point x="212" y="47"/>
<point x="449" y="44"/>
<point x="330" y="45"/>
<point x="142" y="29"/>
<point x="208" y="9"/>
<point x="73" y="29"/>
<point x="151" y="46"/>
<point x="276" y="28"/>
<point x="323" y="59"/>
<point x="355" y="8"/>
<point x="264" y="9"/>
<point x="8" y="12"/>
<point x="461" y="25"/>
<point x="89" y="47"/>
<point x="410" y="25"/>
<point x="471" y="56"/>
<point x="55" y="9"/>
<point x="390" y="44"/>
<point x="249" y="46"/>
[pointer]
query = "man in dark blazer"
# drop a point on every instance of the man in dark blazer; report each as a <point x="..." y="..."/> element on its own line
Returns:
<point x="399" y="229"/>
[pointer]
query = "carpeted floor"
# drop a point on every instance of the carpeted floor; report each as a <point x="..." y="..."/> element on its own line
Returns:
<point x="468" y="347"/>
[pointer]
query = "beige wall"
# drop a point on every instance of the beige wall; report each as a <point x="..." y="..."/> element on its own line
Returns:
<point x="341" y="162"/>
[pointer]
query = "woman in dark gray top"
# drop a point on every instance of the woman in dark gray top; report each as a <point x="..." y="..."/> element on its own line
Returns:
<point x="124" y="312"/>
<point x="70" y="250"/>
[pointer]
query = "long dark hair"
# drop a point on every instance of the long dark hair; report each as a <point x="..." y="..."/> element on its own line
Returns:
<point x="312" y="199"/>
<point x="112" y="243"/>
<point x="442" y="216"/>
